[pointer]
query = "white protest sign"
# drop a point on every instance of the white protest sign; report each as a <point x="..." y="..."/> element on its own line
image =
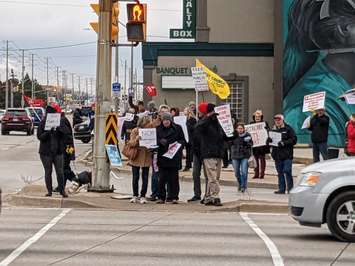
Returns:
<point x="200" y="79"/>
<point x="146" y="113"/>
<point x="181" y="121"/>
<point x="129" y="117"/>
<point x="52" y="121"/>
<point x="148" y="137"/>
<point x="314" y="101"/>
<point x="225" y="119"/>
<point x="172" y="150"/>
<point x="306" y="123"/>
<point x="258" y="133"/>
<point x="276" y="138"/>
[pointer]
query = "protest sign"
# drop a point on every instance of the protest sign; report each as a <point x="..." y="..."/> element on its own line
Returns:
<point x="199" y="78"/>
<point x="113" y="155"/>
<point x="313" y="102"/>
<point x="129" y="117"/>
<point x="148" y="137"/>
<point x="172" y="150"/>
<point x="225" y="119"/>
<point x="258" y="133"/>
<point x="276" y="138"/>
<point x="52" y="121"/>
<point x="181" y="121"/>
<point x="146" y="113"/>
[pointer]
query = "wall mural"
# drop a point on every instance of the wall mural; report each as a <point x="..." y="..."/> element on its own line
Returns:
<point x="319" y="55"/>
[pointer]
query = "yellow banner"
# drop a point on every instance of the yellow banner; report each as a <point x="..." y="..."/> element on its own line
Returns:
<point x="216" y="84"/>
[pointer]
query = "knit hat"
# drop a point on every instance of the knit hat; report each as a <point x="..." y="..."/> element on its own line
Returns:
<point x="210" y="107"/>
<point x="202" y="107"/>
<point x="166" y="116"/>
<point x="151" y="105"/>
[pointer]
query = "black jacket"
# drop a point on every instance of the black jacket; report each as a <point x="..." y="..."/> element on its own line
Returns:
<point x="262" y="150"/>
<point x="210" y="137"/>
<point x="319" y="126"/>
<point x="165" y="137"/>
<point x="241" y="146"/>
<point x="191" y="123"/>
<point x="127" y="127"/>
<point x="289" y="139"/>
<point x="52" y="142"/>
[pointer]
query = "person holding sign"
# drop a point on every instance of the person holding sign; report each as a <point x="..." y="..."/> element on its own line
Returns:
<point x="241" y="152"/>
<point x="282" y="152"/>
<point x="319" y="127"/>
<point x="142" y="161"/>
<point x="51" y="148"/>
<point x="170" y="139"/>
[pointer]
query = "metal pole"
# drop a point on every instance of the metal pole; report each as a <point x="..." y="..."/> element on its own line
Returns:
<point x="91" y="88"/>
<point x="196" y="104"/>
<point x="117" y="97"/>
<point x="125" y="84"/>
<point x="57" y="90"/>
<point x="12" y="89"/>
<point x="101" y="166"/>
<point x="32" y="74"/>
<point x="7" y="77"/>
<point x="23" y="80"/>
<point x="47" y="65"/>
<point x="87" y="90"/>
<point x="72" y="86"/>
<point x="136" y="84"/>
<point x="131" y="77"/>
<point x="79" y="88"/>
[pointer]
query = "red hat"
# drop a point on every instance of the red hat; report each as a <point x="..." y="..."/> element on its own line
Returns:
<point x="56" y="107"/>
<point x="202" y="107"/>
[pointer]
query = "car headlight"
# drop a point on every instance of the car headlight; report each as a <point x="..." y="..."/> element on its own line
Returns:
<point x="310" y="179"/>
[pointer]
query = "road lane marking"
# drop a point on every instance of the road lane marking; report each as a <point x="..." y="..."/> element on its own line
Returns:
<point x="275" y="254"/>
<point x="17" y="252"/>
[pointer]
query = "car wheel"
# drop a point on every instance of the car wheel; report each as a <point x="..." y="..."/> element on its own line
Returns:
<point x="341" y="216"/>
<point x="3" y="132"/>
<point x="29" y="132"/>
<point x="86" y="140"/>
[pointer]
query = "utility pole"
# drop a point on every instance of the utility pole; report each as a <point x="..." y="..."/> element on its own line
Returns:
<point x="101" y="167"/>
<point x="72" y="86"/>
<point x="136" y="84"/>
<point x="79" y="88"/>
<point x="91" y="88"/>
<point x="131" y="77"/>
<point x="12" y="88"/>
<point x="32" y="74"/>
<point x="117" y="97"/>
<point x="23" y="80"/>
<point x="87" y="90"/>
<point x="64" y="86"/>
<point x="7" y="77"/>
<point x="125" y="84"/>
<point x="57" y="90"/>
<point x="47" y="66"/>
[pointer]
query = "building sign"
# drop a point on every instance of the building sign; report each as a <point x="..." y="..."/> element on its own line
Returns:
<point x="189" y="22"/>
<point x="174" y="71"/>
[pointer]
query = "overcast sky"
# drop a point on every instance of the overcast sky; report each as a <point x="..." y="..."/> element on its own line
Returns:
<point x="40" y="23"/>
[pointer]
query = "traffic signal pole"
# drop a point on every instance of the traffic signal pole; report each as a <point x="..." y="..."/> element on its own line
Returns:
<point x="101" y="167"/>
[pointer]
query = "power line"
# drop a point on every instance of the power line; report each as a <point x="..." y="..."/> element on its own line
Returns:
<point x="53" y="47"/>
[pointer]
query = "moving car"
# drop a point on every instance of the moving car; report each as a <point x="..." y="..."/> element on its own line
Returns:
<point x="37" y="114"/>
<point x="83" y="131"/>
<point x="17" y="119"/>
<point x="325" y="193"/>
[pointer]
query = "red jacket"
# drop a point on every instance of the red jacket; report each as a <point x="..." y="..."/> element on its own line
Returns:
<point x="350" y="132"/>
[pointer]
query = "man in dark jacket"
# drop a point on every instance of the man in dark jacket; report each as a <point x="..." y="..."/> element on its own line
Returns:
<point x="128" y="126"/>
<point x="283" y="153"/>
<point x="211" y="151"/>
<point x="168" y="133"/>
<point x="51" y="152"/>
<point x="319" y="125"/>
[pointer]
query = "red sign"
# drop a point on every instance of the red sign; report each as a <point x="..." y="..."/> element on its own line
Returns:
<point x="151" y="90"/>
<point x="34" y="102"/>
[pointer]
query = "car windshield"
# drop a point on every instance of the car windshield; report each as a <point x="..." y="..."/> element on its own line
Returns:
<point x="16" y="113"/>
<point x="38" y="111"/>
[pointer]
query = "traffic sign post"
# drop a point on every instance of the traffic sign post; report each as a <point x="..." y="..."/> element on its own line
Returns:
<point x="116" y="89"/>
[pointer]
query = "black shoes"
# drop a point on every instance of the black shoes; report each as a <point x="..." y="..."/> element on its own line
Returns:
<point x="194" y="198"/>
<point x="186" y="169"/>
<point x="213" y="202"/>
<point x="279" y="192"/>
<point x="48" y="195"/>
<point x="64" y="194"/>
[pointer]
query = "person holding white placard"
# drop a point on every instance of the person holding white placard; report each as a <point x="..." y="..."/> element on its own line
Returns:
<point x="282" y="153"/>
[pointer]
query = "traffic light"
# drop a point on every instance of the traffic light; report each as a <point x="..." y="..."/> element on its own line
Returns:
<point x="137" y="22"/>
<point x="115" y="15"/>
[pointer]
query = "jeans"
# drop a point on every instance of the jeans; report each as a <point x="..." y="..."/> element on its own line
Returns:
<point x="169" y="177"/>
<point x="284" y="171"/>
<point x="48" y="162"/>
<point x="196" y="175"/>
<point x="320" y="148"/>
<point x="241" y="172"/>
<point x="154" y="184"/>
<point x="135" y="180"/>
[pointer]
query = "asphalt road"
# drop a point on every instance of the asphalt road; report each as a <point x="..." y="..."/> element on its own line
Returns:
<point x="19" y="160"/>
<point x="82" y="237"/>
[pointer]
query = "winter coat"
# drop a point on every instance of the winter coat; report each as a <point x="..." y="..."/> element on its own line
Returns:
<point x="144" y="157"/>
<point x="241" y="146"/>
<point x="127" y="128"/>
<point x="319" y="125"/>
<point x="191" y="123"/>
<point x="262" y="150"/>
<point x="52" y="141"/>
<point x="210" y="137"/>
<point x="165" y="137"/>
<point x="350" y="137"/>
<point x="289" y="139"/>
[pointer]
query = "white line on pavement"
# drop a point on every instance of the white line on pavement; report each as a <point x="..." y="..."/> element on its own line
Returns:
<point x="275" y="254"/>
<point x="17" y="252"/>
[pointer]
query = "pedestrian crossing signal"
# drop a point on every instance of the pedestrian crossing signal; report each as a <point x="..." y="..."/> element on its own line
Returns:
<point x="137" y="21"/>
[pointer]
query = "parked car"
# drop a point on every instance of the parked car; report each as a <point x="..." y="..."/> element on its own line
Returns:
<point x="83" y="131"/>
<point x="17" y="119"/>
<point x="37" y="114"/>
<point x="2" y="112"/>
<point x="325" y="193"/>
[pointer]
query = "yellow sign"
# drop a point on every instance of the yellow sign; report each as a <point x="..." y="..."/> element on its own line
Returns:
<point x="216" y="84"/>
<point x="111" y="129"/>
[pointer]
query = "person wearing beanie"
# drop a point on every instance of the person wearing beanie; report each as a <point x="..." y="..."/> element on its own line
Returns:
<point x="51" y="151"/>
<point x="211" y="151"/>
<point x="168" y="133"/>
<point x="152" y="107"/>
